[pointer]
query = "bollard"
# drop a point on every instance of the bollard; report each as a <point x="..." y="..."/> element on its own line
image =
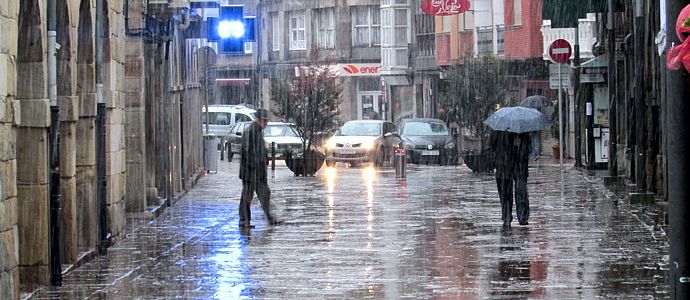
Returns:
<point x="400" y="163"/>
<point x="273" y="156"/>
<point x="222" y="148"/>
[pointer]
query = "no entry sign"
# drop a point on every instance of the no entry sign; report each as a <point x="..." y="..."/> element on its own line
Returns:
<point x="560" y="51"/>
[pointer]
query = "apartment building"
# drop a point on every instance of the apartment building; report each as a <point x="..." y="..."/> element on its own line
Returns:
<point x="348" y="37"/>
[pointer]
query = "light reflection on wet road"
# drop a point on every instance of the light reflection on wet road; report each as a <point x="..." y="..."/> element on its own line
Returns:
<point x="362" y="233"/>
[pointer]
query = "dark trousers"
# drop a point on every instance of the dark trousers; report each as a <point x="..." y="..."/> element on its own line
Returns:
<point x="505" y="192"/>
<point x="263" y="192"/>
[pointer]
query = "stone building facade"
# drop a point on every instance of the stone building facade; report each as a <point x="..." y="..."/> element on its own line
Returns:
<point x="138" y="83"/>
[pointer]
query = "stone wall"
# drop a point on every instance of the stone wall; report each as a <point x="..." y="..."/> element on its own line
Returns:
<point x="9" y="272"/>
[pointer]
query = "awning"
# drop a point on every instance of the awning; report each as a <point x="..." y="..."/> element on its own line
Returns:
<point x="597" y="62"/>
<point x="395" y="80"/>
<point x="564" y="13"/>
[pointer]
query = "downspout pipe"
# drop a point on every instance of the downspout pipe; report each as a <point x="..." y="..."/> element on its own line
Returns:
<point x="54" y="149"/>
<point x="640" y="107"/>
<point x="101" y="183"/>
<point x="612" y="88"/>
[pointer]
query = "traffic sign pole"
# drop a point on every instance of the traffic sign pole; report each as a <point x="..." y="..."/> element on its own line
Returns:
<point x="560" y="51"/>
<point x="560" y="119"/>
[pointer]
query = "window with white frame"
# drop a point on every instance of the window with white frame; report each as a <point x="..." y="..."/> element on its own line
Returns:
<point x="248" y="47"/>
<point x="298" y="34"/>
<point x="517" y="12"/>
<point x="275" y="28"/>
<point x="395" y="33"/>
<point x="366" y="23"/>
<point x="325" y="24"/>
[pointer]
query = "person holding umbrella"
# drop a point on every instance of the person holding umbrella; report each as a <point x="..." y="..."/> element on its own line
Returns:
<point x="510" y="142"/>
<point x="537" y="102"/>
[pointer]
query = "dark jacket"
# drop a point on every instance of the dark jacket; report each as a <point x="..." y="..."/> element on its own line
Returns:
<point x="511" y="153"/>
<point x="254" y="156"/>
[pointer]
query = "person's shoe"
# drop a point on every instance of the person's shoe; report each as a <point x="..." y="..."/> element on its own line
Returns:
<point x="506" y="224"/>
<point x="524" y="223"/>
<point x="535" y="158"/>
<point x="247" y="226"/>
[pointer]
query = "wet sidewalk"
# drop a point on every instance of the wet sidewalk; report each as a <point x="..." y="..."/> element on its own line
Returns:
<point x="361" y="233"/>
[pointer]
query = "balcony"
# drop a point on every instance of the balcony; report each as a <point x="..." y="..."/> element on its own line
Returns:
<point x="588" y="36"/>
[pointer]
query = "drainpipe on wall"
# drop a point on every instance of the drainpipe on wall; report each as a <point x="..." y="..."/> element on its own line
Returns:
<point x="640" y="106"/>
<point x="54" y="149"/>
<point x="612" y="85"/>
<point x="166" y="118"/>
<point x="101" y="183"/>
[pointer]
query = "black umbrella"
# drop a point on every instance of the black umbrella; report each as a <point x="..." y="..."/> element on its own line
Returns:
<point x="537" y="102"/>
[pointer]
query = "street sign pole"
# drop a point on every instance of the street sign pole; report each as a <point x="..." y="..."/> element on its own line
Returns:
<point x="560" y="52"/>
<point x="560" y="118"/>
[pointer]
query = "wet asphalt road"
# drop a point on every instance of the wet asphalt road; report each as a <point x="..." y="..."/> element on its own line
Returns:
<point x="360" y="233"/>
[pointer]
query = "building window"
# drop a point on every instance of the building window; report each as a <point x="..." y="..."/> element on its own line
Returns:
<point x="425" y="31"/>
<point x="500" y="40"/>
<point x="485" y="43"/>
<point x="366" y="23"/>
<point x="298" y="40"/>
<point x="395" y="33"/>
<point x="275" y="39"/>
<point x="517" y="12"/>
<point x="325" y="24"/>
<point x="248" y="47"/>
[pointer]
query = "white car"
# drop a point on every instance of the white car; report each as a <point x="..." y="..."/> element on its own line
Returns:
<point x="286" y="137"/>
<point x="224" y="117"/>
<point x="362" y="142"/>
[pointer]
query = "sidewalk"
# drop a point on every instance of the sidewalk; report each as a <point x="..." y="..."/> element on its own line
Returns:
<point x="363" y="234"/>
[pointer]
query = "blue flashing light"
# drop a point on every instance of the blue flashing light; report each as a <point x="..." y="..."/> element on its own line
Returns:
<point x="230" y="29"/>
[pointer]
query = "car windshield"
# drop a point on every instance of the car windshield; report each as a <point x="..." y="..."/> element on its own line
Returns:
<point x="360" y="129"/>
<point x="424" y="129"/>
<point x="280" y="130"/>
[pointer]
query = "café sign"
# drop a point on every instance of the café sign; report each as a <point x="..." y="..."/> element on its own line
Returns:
<point x="445" y="7"/>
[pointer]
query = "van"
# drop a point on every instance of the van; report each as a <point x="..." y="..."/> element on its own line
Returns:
<point x="223" y="117"/>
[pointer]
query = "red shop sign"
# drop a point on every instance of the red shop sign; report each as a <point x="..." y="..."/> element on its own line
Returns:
<point x="445" y="7"/>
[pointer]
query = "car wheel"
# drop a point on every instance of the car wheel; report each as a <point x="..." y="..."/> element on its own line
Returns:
<point x="380" y="156"/>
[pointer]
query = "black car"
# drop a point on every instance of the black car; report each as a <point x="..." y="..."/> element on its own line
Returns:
<point x="427" y="141"/>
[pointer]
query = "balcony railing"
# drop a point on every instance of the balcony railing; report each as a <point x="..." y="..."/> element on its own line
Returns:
<point x="587" y="34"/>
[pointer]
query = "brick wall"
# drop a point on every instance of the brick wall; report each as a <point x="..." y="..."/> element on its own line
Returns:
<point x="524" y="40"/>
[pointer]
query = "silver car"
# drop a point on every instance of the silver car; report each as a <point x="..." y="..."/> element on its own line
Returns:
<point x="362" y="142"/>
<point x="286" y="136"/>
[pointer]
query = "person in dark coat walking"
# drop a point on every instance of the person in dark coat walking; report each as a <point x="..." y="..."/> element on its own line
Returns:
<point x="512" y="151"/>
<point x="253" y="164"/>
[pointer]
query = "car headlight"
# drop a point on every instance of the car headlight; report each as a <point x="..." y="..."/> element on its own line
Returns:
<point x="368" y="145"/>
<point x="408" y="146"/>
<point x="330" y="144"/>
<point x="450" y="145"/>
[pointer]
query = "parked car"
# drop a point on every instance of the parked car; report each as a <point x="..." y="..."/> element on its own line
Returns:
<point x="427" y="140"/>
<point x="233" y="141"/>
<point x="361" y="142"/>
<point x="223" y="117"/>
<point x="285" y="135"/>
